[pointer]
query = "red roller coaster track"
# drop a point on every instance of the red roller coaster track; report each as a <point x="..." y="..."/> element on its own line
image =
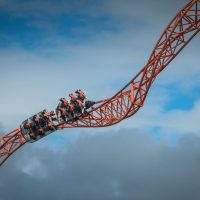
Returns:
<point x="125" y="103"/>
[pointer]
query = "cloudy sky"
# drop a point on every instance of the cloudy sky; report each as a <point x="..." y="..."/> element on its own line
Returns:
<point x="50" y="48"/>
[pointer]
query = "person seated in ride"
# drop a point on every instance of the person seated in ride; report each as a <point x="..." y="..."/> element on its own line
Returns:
<point x="63" y="113"/>
<point x="36" y="120"/>
<point x="53" y="116"/>
<point x="61" y="109"/>
<point x="45" y="115"/>
<point x="86" y="103"/>
<point x="70" y="110"/>
<point x="27" y="124"/>
<point x="72" y="98"/>
<point x="76" y="103"/>
<point x="80" y="95"/>
<point x="39" y="125"/>
<point x="41" y="130"/>
<point x="80" y="106"/>
<point x="44" y="118"/>
<point x="62" y="103"/>
<point x="32" y="135"/>
<point x="48" y="117"/>
<point x="50" y="126"/>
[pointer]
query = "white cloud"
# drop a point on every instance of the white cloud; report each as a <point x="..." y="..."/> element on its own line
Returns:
<point x="124" y="165"/>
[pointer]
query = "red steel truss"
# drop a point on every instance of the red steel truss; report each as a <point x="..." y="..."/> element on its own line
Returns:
<point x="125" y="103"/>
<point x="9" y="143"/>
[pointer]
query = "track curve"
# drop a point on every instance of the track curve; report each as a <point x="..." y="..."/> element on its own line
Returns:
<point x="125" y="103"/>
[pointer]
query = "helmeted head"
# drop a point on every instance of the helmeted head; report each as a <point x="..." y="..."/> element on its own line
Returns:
<point x="80" y="93"/>
<point x="27" y="123"/>
<point x="71" y="95"/>
<point x="52" y="113"/>
<point x="36" y="118"/>
<point x="63" y="100"/>
<point x="44" y="111"/>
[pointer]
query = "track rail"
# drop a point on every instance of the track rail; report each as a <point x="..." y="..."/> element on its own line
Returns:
<point x="125" y="103"/>
<point x="9" y="143"/>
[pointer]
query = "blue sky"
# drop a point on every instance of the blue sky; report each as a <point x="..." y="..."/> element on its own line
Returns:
<point x="49" y="49"/>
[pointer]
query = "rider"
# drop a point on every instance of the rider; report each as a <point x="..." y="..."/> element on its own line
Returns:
<point x="70" y="110"/>
<point x="80" y="95"/>
<point x="63" y="113"/>
<point x="44" y="118"/>
<point x="63" y="102"/>
<point x="45" y="115"/>
<point x="36" y="119"/>
<point x="49" y="117"/>
<point x="61" y="108"/>
<point x="78" y="105"/>
<point x="73" y="98"/>
<point x="28" y="125"/>
<point x="53" y="116"/>
<point x="86" y="103"/>
<point x="41" y="130"/>
<point x="50" y="126"/>
<point x="32" y="135"/>
<point x="39" y="124"/>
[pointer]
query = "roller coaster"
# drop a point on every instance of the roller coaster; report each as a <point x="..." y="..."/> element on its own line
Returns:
<point x="126" y="102"/>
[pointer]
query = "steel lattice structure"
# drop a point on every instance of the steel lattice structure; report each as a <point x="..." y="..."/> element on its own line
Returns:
<point x="125" y="103"/>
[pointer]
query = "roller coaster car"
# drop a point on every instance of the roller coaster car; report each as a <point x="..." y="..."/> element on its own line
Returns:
<point x="89" y="104"/>
<point x="33" y="133"/>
